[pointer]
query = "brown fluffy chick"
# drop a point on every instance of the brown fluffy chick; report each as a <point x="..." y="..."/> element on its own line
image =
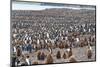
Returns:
<point x="58" y="55"/>
<point x="49" y="59"/>
<point x="64" y="56"/>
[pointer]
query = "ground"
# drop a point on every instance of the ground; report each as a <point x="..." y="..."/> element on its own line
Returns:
<point x="80" y="54"/>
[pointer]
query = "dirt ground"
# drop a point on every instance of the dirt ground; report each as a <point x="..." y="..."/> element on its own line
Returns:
<point x="80" y="54"/>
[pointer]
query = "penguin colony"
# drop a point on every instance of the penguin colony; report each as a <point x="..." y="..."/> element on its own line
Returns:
<point x="52" y="36"/>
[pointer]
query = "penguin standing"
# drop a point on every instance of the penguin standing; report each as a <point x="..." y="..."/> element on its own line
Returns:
<point x="19" y="52"/>
<point x="89" y="52"/>
<point x="50" y="50"/>
<point x="69" y="52"/>
<point x="28" y="60"/>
